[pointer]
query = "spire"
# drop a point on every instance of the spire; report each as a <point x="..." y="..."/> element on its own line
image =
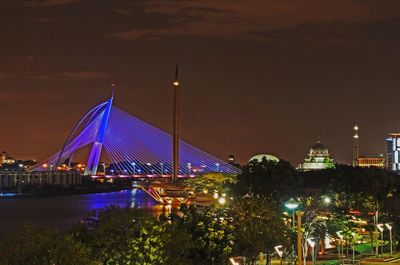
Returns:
<point x="113" y="89"/>
<point x="176" y="81"/>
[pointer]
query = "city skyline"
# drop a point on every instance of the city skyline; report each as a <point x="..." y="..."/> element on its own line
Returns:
<point x="263" y="78"/>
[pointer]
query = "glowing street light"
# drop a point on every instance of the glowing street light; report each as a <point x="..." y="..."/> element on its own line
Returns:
<point x="354" y="239"/>
<point x="292" y="204"/>
<point x="339" y="234"/>
<point x="278" y="250"/>
<point x="312" y="245"/>
<point x="389" y="227"/>
<point x="380" y="228"/>
<point x="222" y="200"/>
<point x="327" y="200"/>
<point x="217" y="166"/>
<point x="134" y="167"/>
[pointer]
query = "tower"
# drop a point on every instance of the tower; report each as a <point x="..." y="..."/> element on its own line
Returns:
<point x="176" y="136"/>
<point x="94" y="157"/>
<point x="355" y="145"/>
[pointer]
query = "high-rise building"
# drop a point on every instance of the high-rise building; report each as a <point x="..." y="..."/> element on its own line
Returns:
<point x="355" y="145"/>
<point x="393" y="151"/>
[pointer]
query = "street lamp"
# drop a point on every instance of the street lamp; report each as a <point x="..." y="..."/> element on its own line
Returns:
<point x="222" y="200"/>
<point x="292" y="204"/>
<point x="354" y="239"/>
<point x="380" y="228"/>
<point x="312" y="245"/>
<point x="327" y="200"/>
<point x="339" y="234"/>
<point x="389" y="227"/>
<point x="279" y="252"/>
<point x="134" y="167"/>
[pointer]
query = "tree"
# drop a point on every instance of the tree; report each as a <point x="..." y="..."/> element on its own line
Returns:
<point x="259" y="226"/>
<point x="211" y="182"/>
<point x="123" y="236"/>
<point x="40" y="246"/>
<point x="269" y="178"/>
<point x="203" y="235"/>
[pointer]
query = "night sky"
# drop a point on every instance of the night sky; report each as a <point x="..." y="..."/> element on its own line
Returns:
<point x="258" y="76"/>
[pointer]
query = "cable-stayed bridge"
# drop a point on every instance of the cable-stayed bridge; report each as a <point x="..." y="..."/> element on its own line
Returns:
<point x="132" y="145"/>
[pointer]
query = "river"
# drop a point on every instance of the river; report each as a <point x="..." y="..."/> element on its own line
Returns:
<point x="63" y="211"/>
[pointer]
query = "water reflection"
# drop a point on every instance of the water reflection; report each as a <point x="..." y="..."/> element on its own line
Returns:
<point x="63" y="211"/>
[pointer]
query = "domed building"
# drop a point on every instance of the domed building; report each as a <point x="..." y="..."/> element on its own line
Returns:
<point x="268" y="157"/>
<point x="318" y="158"/>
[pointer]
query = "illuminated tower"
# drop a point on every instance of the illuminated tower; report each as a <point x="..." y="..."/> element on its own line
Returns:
<point x="175" y="147"/>
<point x="95" y="153"/>
<point x="355" y="145"/>
<point x="393" y="152"/>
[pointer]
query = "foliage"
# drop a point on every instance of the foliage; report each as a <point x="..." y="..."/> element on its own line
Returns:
<point x="211" y="182"/>
<point x="269" y="178"/>
<point x="207" y="236"/>
<point x="123" y="236"/>
<point x="259" y="226"/>
<point x="39" y="246"/>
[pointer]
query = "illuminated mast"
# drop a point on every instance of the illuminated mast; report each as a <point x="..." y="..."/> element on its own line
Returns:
<point x="355" y="145"/>
<point x="175" y="148"/>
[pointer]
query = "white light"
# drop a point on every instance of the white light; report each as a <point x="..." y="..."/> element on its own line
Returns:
<point x="279" y="251"/>
<point x="380" y="227"/>
<point x="222" y="200"/>
<point x="292" y="204"/>
<point x="311" y="243"/>
<point x="327" y="200"/>
<point x="215" y="195"/>
<point x="388" y="226"/>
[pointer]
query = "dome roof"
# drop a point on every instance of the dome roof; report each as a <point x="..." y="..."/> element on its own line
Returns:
<point x="268" y="157"/>
<point x="319" y="149"/>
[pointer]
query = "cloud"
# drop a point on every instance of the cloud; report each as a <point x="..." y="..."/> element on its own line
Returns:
<point x="77" y="75"/>
<point x="233" y="19"/>
<point x="35" y="3"/>
<point x="44" y="19"/>
<point x="84" y="75"/>
<point x="4" y="76"/>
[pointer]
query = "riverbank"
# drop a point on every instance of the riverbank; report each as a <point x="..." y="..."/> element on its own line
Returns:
<point x="50" y="191"/>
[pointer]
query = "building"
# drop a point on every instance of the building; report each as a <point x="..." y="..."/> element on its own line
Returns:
<point x="393" y="149"/>
<point x="6" y="159"/>
<point x="267" y="157"/>
<point x="372" y="161"/>
<point x="16" y="180"/>
<point x="318" y="158"/>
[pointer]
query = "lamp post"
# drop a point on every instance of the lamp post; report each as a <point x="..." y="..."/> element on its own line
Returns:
<point x="354" y="239"/>
<point x="339" y="234"/>
<point x="312" y="245"/>
<point x="389" y="227"/>
<point x="299" y="239"/>
<point x="279" y="252"/>
<point x="380" y="228"/>
<point x="134" y="167"/>
<point x="292" y="204"/>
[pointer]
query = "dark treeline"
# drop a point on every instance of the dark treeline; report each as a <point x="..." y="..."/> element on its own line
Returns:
<point x="249" y="223"/>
